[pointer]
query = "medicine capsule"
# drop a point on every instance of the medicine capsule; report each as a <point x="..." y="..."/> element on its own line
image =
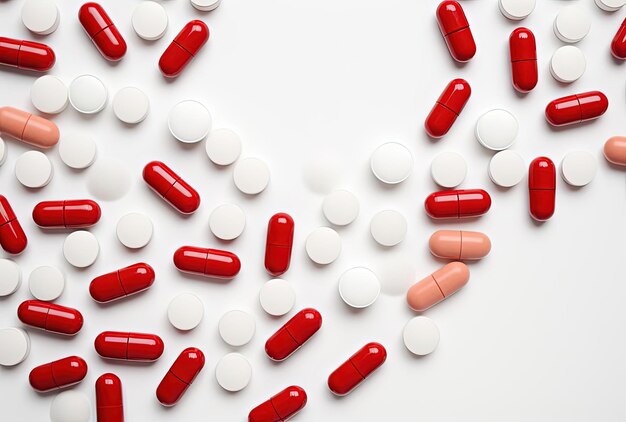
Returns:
<point x="12" y="237"/>
<point x="456" y="31"/>
<point x="78" y="213"/>
<point x="459" y="245"/>
<point x="436" y="287"/>
<point x="279" y="243"/>
<point x="209" y="262"/>
<point x="615" y="150"/>
<point x="50" y="317"/>
<point x="297" y="331"/>
<point x="109" y="399"/>
<point x="28" y="128"/>
<point x="354" y="371"/>
<point x="27" y="55"/>
<point x="58" y="374"/>
<point x="180" y="376"/>
<point x="447" y="108"/>
<point x="171" y="187"/>
<point x="457" y="203"/>
<point x="129" y="346"/>
<point x="576" y="108"/>
<point x="280" y="407"/>
<point x="101" y="30"/>
<point x="121" y="283"/>
<point x="184" y="48"/>
<point x="542" y="188"/>
<point x="523" y="51"/>
<point x="618" y="45"/>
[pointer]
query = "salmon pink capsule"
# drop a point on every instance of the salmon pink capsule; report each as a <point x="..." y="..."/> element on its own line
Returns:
<point x="291" y="336"/>
<point x="28" y="128"/>
<point x="436" y="287"/>
<point x="542" y="188"/>
<point x="101" y="30"/>
<point x="447" y="108"/>
<point x="184" y="48"/>
<point x="27" y="55"/>
<point x="280" y="407"/>
<point x="457" y="203"/>
<point x="109" y="399"/>
<point x="278" y="244"/>
<point x="171" y="187"/>
<point x="456" y="31"/>
<point x="181" y="375"/>
<point x="129" y="346"/>
<point x="576" y="108"/>
<point x="354" y="371"/>
<point x="523" y="51"/>
<point x="78" y="213"/>
<point x="58" y="374"/>
<point x="121" y="283"/>
<point x="209" y="262"/>
<point x="12" y="236"/>
<point x="459" y="245"/>
<point x="50" y="317"/>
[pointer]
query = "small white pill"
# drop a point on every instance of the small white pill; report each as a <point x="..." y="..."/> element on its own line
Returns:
<point x="149" y="20"/>
<point x="578" y="168"/>
<point x="516" y="9"/>
<point x="14" y="346"/>
<point x="205" y="5"/>
<point x="496" y="129"/>
<point x="3" y="151"/>
<point x="341" y="207"/>
<point x="448" y="169"/>
<point x="610" y="5"/>
<point x="134" y="230"/>
<point x="359" y="287"/>
<point x="131" y="105"/>
<point x="227" y="222"/>
<point x="277" y="297"/>
<point x="81" y="248"/>
<point x="223" y="146"/>
<point x="392" y="163"/>
<point x="506" y="169"/>
<point x="77" y="150"/>
<point x="40" y="16"/>
<point x="251" y="176"/>
<point x="189" y="121"/>
<point x="87" y="94"/>
<point x="572" y="24"/>
<point x="568" y="63"/>
<point x="10" y="277"/>
<point x="236" y="328"/>
<point x="70" y="406"/>
<point x="33" y="169"/>
<point x="421" y="336"/>
<point x="388" y="227"/>
<point x="46" y="283"/>
<point x="49" y="94"/>
<point x="108" y="179"/>
<point x="233" y="372"/>
<point x="323" y="245"/>
<point x="185" y="311"/>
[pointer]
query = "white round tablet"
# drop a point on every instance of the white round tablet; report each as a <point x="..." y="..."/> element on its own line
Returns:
<point x="610" y="5"/>
<point x="33" y="169"/>
<point x="506" y="169"/>
<point x="388" y="227"/>
<point x="70" y="406"/>
<point x="185" y="311"/>
<point x="578" y="168"/>
<point x="236" y="328"/>
<point x="496" y="129"/>
<point x="3" y="152"/>
<point x="359" y="287"/>
<point x="323" y="245"/>
<point x="251" y="176"/>
<point x="448" y="169"/>
<point x="516" y="9"/>
<point x="421" y="336"/>
<point x="149" y="20"/>
<point x="391" y="163"/>
<point x="233" y="372"/>
<point x="81" y="248"/>
<point x="46" y="283"/>
<point x="223" y="146"/>
<point x="341" y="207"/>
<point x="131" y="105"/>
<point x="227" y="221"/>
<point x="572" y="24"/>
<point x="88" y="95"/>
<point x="49" y="94"/>
<point x="10" y="277"/>
<point x="189" y="121"/>
<point x="205" y="5"/>
<point x="77" y="150"/>
<point x="134" y="230"/>
<point x="108" y="179"/>
<point x="14" y="346"/>
<point x="40" y="16"/>
<point x="277" y="297"/>
<point x="567" y="64"/>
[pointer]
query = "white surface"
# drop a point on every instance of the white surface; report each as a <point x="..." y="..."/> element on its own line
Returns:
<point x="3" y="151"/>
<point x="33" y="169"/>
<point x="205" y="5"/>
<point x="359" y="287"/>
<point x="77" y="149"/>
<point x="236" y="328"/>
<point x="134" y="230"/>
<point x="87" y="94"/>
<point x="392" y="163"/>
<point x="40" y="16"/>
<point x="448" y="169"/>
<point x="251" y="176"/>
<point x="578" y="168"/>
<point x="223" y="146"/>
<point x="227" y="221"/>
<point x="185" y="311"/>
<point x="572" y="23"/>
<point x="496" y="129"/>
<point x="277" y="297"/>
<point x="14" y="346"/>
<point x="388" y="227"/>
<point x="516" y="9"/>
<point x="10" y="277"/>
<point x="189" y="121"/>
<point x="610" y="5"/>
<point x="81" y="248"/>
<point x="49" y="94"/>
<point x="70" y="406"/>
<point x="108" y="179"/>
<point x="131" y="105"/>
<point x="233" y="372"/>
<point x="568" y="64"/>
<point x="421" y="336"/>
<point x="46" y="283"/>
<point x="341" y="207"/>
<point x="323" y="245"/>
<point x="507" y="169"/>
<point x="149" y="20"/>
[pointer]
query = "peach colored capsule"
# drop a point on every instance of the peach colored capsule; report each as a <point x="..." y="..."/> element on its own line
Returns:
<point x="28" y="128"/>
<point x="437" y="286"/>
<point x="459" y="245"/>
<point x="615" y="150"/>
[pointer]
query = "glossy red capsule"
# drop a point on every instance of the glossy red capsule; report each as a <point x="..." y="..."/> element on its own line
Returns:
<point x="209" y="262"/>
<point x="297" y="331"/>
<point x="121" y="283"/>
<point x="456" y="31"/>
<point x="100" y="28"/>
<point x="109" y="399"/>
<point x="12" y="236"/>
<point x="457" y="203"/>
<point x="78" y="213"/>
<point x="280" y="407"/>
<point x="171" y="187"/>
<point x="184" y="48"/>
<point x="58" y="374"/>
<point x="50" y="317"/>
<point x="354" y="371"/>
<point x="26" y="55"/>
<point x="180" y="376"/>
<point x="542" y="188"/>
<point x="523" y="51"/>
<point x="576" y="108"/>
<point x="129" y="346"/>
<point x="279" y="243"/>
<point x="447" y="108"/>
<point x="618" y="45"/>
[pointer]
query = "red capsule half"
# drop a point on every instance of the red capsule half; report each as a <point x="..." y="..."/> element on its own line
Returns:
<point x="184" y="48"/>
<point x="618" y="45"/>
<point x="121" y="283"/>
<point x="576" y="108"/>
<point x="457" y="203"/>
<point x="50" y="317"/>
<point x="279" y="243"/>
<point x="171" y="187"/>
<point x="129" y="346"/>
<point x="26" y="55"/>
<point x="77" y="213"/>
<point x="297" y="331"/>
<point x="12" y="236"/>
<point x="447" y="108"/>
<point x="180" y="376"/>
<point x="209" y="262"/>
<point x="58" y="374"/>
<point x="100" y="28"/>
<point x="280" y="407"/>
<point x="354" y="371"/>
<point x="109" y="399"/>
<point x="542" y="188"/>
<point x="523" y="51"/>
<point x="456" y="31"/>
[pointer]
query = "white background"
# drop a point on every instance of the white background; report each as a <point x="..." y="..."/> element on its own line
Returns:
<point x="538" y="333"/>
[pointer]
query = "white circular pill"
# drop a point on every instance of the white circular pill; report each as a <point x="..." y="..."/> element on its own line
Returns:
<point x="81" y="248"/>
<point x="516" y="9"/>
<point x="448" y="169"/>
<point x="610" y="5"/>
<point x="359" y="287"/>
<point x="46" y="283"/>
<point x="572" y="24"/>
<point x="10" y="277"/>
<point x="189" y="121"/>
<point x="392" y="163"/>
<point x="3" y="152"/>
<point x="40" y="16"/>
<point x="223" y="146"/>
<point x="149" y="20"/>
<point x="49" y="94"/>
<point x="131" y="105"/>
<point x="341" y="207"/>
<point x="496" y="129"/>
<point x="205" y="5"/>
<point x="421" y="336"/>
<point x="14" y="346"/>
<point x="70" y="406"/>
<point x="236" y="328"/>
<point x="323" y="245"/>
<point x="227" y="221"/>
<point x="88" y="95"/>
<point x="134" y="230"/>
<point x="568" y="64"/>
<point x="108" y="179"/>
<point x="388" y="227"/>
<point x="578" y="168"/>
<point x="233" y="372"/>
<point x="185" y="311"/>
<point x="506" y="169"/>
<point x="33" y="169"/>
<point x="277" y="297"/>
<point x="251" y="176"/>
<point x="77" y="150"/>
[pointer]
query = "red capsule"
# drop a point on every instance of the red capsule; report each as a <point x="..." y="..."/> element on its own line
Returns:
<point x="129" y="346"/>
<point x="100" y="28"/>
<point x="121" y="283"/>
<point x="50" y="317"/>
<point x="109" y="399"/>
<point x="26" y="55"/>
<point x="280" y="407"/>
<point x="12" y="236"/>
<point x="618" y="45"/>
<point x="210" y="262"/>
<point x="180" y="376"/>
<point x="171" y="187"/>
<point x="184" y="48"/>
<point x="457" y="203"/>
<point x="523" y="51"/>
<point x="576" y="108"/>
<point x="279" y="244"/>
<point x="78" y="213"/>
<point x="456" y="31"/>
<point x="58" y="374"/>
<point x="447" y="108"/>
<point x="284" y="342"/>
<point x="354" y="371"/>
<point x="542" y="188"/>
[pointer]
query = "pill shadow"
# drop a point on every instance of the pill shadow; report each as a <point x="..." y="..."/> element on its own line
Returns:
<point x="569" y="127"/>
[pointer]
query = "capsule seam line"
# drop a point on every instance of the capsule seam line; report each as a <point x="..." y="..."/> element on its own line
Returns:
<point x="356" y="369"/>
<point x="296" y="341"/>
<point x="177" y="377"/>
<point x="56" y="384"/>
<point x="190" y="53"/>
<point x="580" y="108"/>
<point x="437" y="283"/>
<point x="120" y="281"/>
<point x="25" y="124"/>
<point x="460" y="247"/>
<point x="453" y="32"/>
<point x="276" y="411"/>
<point x="458" y="207"/>
<point x="445" y="106"/>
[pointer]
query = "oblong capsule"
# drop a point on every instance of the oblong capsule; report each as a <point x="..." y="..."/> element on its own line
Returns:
<point x="618" y="45"/>
<point x="459" y="245"/>
<point x="209" y="262"/>
<point x="121" y="283"/>
<point x="279" y="243"/>
<point x="58" y="374"/>
<point x="180" y="376"/>
<point x="358" y="367"/>
<point x="50" y="317"/>
<point x="457" y="203"/>
<point x="447" y="108"/>
<point x="615" y="150"/>
<point x="456" y="31"/>
<point x="27" y="55"/>
<point x="542" y="188"/>
<point x="109" y="398"/>
<point x="184" y="48"/>
<point x="291" y="336"/>
<point x="101" y="30"/>
<point x="280" y="406"/>
<point x="437" y="286"/>
<point x="12" y="237"/>
<point x="75" y="213"/>
<point x="576" y="108"/>
<point x="28" y="128"/>
<point x="129" y="346"/>
<point x="523" y="52"/>
<point x="171" y="187"/>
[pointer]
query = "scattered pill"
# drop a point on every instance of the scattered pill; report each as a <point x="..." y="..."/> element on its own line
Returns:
<point x="134" y="230"/>
<point x="129" y="346"/>
<point x="46" y="283"/>
<point x="457" y="203"/>
<point x="357" y="368"/>
<point x="576" y="108"/>
<point x="233" y="372"/>
<point x="59" y="374"/>
<point x="121" y="283"/>
<point x="459" y="245"/>
<point x="49" y="94"/>
<point x="277" y="297"/>
<point x="108" y="179"/>
<point x="359" y="287"/>
<point x="87" y="94"/>
<point x="523" y="53"/>
<point x="572" y="24"/>
<point x="456" y="31"/>
<point x="12" y="237"/>
<point x="341" y="207"/>
<point x="101" y="30"/>
<point x="26" y="55"/>
<point x="209" y="262"/>
<point x="610" y="5"/>
<point x="448" y="169"/>
<point x="323" y="245"/>
<point x="578" y="168"/>
<point x="184" y="48"/>
<point x="77" y="150"/>
<point x="236" y="328"/>
<point x="3" y="151"/>
<point x="516" y="9"/>
<point x="15" y="346"/>
<point x="33" y="169"/>
<point x="447" y="108"/>
<point x="291" y="336"/>
<point x="618" y="44"/>
<point x="281" y="406"/>
<point x="251" y="176"/>
<point x="223" y="147"/>
<point x="40" y="16"/>
<point x="279" y="243"/>
<point x="615" y="150"/>
<point x="78" y="213"/>
<point x="496" y="129"/>
<point x="10" y="277"/>
<point x="180" y="376"/>
<point x="388" y="227"/>
<point x="506" y="168"/>
<point x="33" y="130"/>
<point x="189" y="121"/>
<point x="169" y="186"/>
<point x="50" y="317"/>
<point x="185" y="311"/>
<point x="131" y="105"/>
<point x="391" y="163"/>
<point x="567" y="64"/>
<point x="542" y="188"/>
<point x="109" y="398"/>
<point x="421" y="336"/>
<point x="81" y="248"/>
<point x="438" y="286"/>
<point x="205" y="5"/>
<point x="227" y="221"/>
<point x="70" y="406"/>
<point x="149" y="20"/>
